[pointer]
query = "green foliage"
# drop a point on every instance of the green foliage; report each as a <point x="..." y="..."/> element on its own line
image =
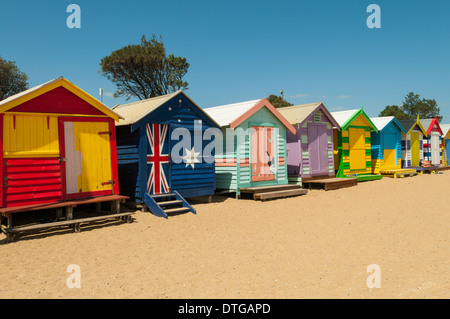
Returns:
<point x="12" y="80"/>
<point x="412" y="106"/>
<point x="278" y="101"/>
<point x="144" y="70"/>
<point x="394" y="110"/>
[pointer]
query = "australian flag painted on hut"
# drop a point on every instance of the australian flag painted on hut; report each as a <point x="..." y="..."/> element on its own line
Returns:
<point x="163" y="146"/>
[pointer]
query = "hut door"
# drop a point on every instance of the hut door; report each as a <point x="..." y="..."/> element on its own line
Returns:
<point x="357" y="149"/>
<point x="435" y="150"/>
<point x="318" y="148"/>
<point x="415" y="149"/>
<point x="262" y="146"/>
<point x="158" y="165"/>
<point x="86" y="158"/>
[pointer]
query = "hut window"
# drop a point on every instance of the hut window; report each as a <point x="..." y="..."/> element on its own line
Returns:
<point x="317" y="117"/>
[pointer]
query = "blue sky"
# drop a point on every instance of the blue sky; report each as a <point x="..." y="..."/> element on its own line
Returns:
<point x="318" y="50"/>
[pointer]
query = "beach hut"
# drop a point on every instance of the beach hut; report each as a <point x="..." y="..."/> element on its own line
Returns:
<point x="352" y="145"/>
<point x="445" y="143"/>
<point x="252" y="154"/>
<point x="310" y="155"/>
<point x="386" y="147"/>
<point x="163" y="153"/>
<point x="412" y="143"/>
<point x="57" y="145"/>
<point x="433" y="142"/>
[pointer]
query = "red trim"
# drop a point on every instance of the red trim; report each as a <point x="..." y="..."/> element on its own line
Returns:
<point x="113" y="148"/>
<point x="58" y="101"/>
<point x="83" y="119"/>
<point x="114" y="163"/>
<point x="62" y="154"/>
<point x="433" y="123"/>
<point x="1" y="160"/>
<point x="88" y="194"/>
<point x="256" y="108"/>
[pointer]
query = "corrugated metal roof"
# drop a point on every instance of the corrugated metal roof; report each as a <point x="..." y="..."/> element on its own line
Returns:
<point x="343" y="116"/>
<point x="224" y="115"/>
<point x="407" y="124"/>
<point x="445" y="129"/>
<point x="426" y="123"/>
<point x="133" y="112"/>
<point x="23" y="93"/>
<point x="381" y="122"/>
<point x="298" y="113"/>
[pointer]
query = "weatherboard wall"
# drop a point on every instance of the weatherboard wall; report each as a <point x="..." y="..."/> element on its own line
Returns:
<point x="385" y="144"/>
<point x="233" y="169"/>
<point x="133" y="148"/>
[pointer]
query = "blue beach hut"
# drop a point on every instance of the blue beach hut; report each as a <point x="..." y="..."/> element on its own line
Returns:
<point x="160" y="151"/>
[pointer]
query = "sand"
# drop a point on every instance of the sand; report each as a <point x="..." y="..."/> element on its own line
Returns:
<point x="314" y="246"/>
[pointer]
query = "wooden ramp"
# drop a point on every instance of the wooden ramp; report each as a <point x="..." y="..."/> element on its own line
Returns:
<point x="330" y="183"/>
<point x="274" y="192"/>
<point x="400" y="172"/>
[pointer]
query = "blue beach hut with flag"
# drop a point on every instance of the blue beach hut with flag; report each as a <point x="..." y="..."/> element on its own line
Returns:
<point x="164" y="152"/>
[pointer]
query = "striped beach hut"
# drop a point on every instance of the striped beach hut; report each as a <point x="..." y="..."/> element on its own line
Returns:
<point x="165" y="152"/>
<point x="432" y="146"/>
<point x="412" y="142"/>
<point x="253" y="150"/>
<point x="445" y="143"/>
<point x="386" y="147"/>
<point x="57" y="144"/>
<point x="353" y="144"/>
<point x="310" y="150"/>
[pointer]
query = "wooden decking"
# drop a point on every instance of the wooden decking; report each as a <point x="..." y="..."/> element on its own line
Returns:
<point x="401" y="172"/>
<point x="72" y="203"/>
<point x="12" y="231"/>
<point x="330" y="183"/>
<point x="420" y="170"/>
<point x="264" y="193"/>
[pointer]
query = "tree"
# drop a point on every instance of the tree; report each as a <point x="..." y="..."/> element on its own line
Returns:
<point x="278" y="101"/>
<point x="394" y="110"/>
<point x="12" y="80"/>
<point x="144" y="70"/>
<point x="412" y="106"/>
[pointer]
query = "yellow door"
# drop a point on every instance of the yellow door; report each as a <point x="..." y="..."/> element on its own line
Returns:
<point x="415" y="149"/>
<point x="357" y="144"/>
<point x="390" y="159"/>
<point x="87" y="158"/>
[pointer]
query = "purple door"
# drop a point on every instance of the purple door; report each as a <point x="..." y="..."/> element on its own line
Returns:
<point x="318" y="148"/>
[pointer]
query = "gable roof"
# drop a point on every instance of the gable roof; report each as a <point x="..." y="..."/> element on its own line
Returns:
<point x="136" y="111"/>
<point x="445" y="130"/>
<point x="429" y="123"/>
<point x="382" y="122"/>
<point x="299" y="113"/>
<point x="345" y="118"/>
<point x="234" y="114"/>
<point x="38" y="90"/>
<point x="408" y="125"/>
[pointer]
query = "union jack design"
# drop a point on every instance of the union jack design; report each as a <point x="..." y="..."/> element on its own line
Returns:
<point x="157" y="181"/>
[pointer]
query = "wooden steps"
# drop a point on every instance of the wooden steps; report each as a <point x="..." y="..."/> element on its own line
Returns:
<point x="164" y="205"/>
<point x="274" y="192"/>
<point x="330" y="183"/>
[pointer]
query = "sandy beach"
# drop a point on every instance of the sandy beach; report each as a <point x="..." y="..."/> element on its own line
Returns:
<point x="313" y="246"/>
